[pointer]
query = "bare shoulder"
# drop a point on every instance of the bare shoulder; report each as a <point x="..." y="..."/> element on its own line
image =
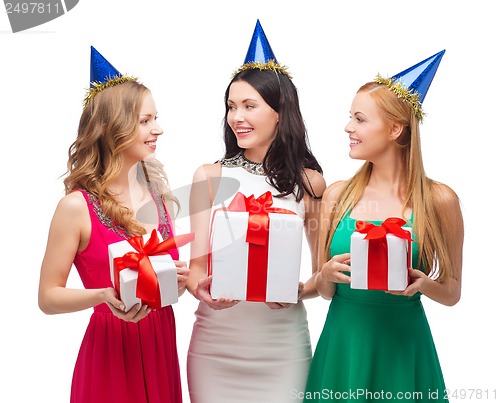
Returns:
<point x="448" y="205"/>
<point x="449" y="211"/>
<point x="332" y="191"/>
<point x="205" y="185"/>
<point x="315" y="182"/>
<point x="207" y="170"/>
<point x="73" y="204"/>
<point x="71" y="215"/>
<point x="445" y="196"/>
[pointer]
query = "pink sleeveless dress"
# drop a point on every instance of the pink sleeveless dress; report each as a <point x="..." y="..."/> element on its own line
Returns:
<point x="120" y="361"/>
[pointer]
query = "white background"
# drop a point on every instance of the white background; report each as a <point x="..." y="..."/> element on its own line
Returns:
<point x="185" y="53"/>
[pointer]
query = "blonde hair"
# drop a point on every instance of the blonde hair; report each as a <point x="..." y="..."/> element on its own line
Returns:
<point x="108" y="126"/>
<point x="417" y="191"/>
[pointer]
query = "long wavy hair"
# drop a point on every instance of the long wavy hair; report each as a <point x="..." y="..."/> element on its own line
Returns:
<point x="108" y="126"/>
<point x="289" y="152"/>
<point x="417" y="191"/>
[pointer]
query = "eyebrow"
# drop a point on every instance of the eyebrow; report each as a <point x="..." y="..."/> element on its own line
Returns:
<point x="244" y="101"/>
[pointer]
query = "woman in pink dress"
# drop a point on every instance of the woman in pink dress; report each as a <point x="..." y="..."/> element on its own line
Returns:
<point x="115" y="189"/>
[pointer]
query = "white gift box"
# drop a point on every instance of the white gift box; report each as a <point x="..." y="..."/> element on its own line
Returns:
<point x="398" y="262"/>
<point x="230" y="254"/>
<point x="163" y="265"/>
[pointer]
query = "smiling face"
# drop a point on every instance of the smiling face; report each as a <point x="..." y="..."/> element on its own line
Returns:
<point x="370" y="135"/>
<point x="148" y="131"/>
<point x="252" y="120"/>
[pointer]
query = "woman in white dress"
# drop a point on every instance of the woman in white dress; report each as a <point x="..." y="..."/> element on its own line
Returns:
<point x="254" y="351"/>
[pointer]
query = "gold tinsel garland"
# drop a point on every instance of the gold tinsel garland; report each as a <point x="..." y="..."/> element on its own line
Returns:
<point x="269" y="65"/>
<point x="97" y="86"/>
<point x="409" y="95"/>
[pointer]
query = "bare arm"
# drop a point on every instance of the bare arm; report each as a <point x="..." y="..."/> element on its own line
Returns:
<point x="68" y="233"/>
<point x="200" y="204"/>
<point x="446" y="292"/>
<point x="182" y="269"/>
<point x="330" y="271"/>
<point x="312" y="229"/>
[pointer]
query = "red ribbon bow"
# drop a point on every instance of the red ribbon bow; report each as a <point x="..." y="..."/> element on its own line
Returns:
<point x="258" y="215"/>
<point x="148" y="288"/>
<point x="391" y="225"/>
<point x="257" y="237"/>
<point x="378" y="271"/>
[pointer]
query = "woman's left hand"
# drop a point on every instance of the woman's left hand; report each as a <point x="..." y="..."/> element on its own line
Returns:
<point x="182" y="275"/>
<point x="300" y="291"/>
<point x="284" y="305"/>
<point x="278" y="305"/>
<point x="417" y="281"/>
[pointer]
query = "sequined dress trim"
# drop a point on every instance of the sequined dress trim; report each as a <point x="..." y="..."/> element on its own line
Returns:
<point x="163" y="227"/>
<point x="239" y="160"/>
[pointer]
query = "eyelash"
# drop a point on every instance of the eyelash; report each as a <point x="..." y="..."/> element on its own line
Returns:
<point x="232" y="107"/>
<point x="147" y="120"/>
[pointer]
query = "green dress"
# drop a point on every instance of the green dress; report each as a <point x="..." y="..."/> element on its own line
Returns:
<point x="374" y="346"/>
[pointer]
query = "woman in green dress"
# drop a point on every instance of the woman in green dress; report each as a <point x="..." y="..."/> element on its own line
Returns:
<point x="377" y="345"/>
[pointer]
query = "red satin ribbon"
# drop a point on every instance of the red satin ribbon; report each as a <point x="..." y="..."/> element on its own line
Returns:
<point x="257" y="237"/>
<point x="378" y="270"/>
<point x="148" y="288"/>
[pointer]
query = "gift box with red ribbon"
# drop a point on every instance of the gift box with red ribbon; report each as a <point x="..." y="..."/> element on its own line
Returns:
<point x="381" y="255"/>
<point x="255" y="251"/>
<point x="142" y="270"/>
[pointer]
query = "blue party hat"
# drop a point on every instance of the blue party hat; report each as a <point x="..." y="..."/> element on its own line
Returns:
<point x="260" y="54"/>
<point x="100" y="69"/>
<point x="102" y="75"/>
<point x="413" y="83"/>
<point x="259" y="49"/>
<point x="419" y="77"/>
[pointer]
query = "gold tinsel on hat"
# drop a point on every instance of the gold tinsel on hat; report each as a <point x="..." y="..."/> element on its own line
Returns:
<point x="269" y="65"/>
<point x="97" y="86"/>
<point x="409" y="95"/>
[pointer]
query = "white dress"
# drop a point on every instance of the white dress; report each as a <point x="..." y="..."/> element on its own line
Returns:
<point x="249" y="353"/>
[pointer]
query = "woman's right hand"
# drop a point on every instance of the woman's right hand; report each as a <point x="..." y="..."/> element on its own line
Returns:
<point x="333" y="269"/>
<point x="202" y="293"/>
<point x="134" y="314"/>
